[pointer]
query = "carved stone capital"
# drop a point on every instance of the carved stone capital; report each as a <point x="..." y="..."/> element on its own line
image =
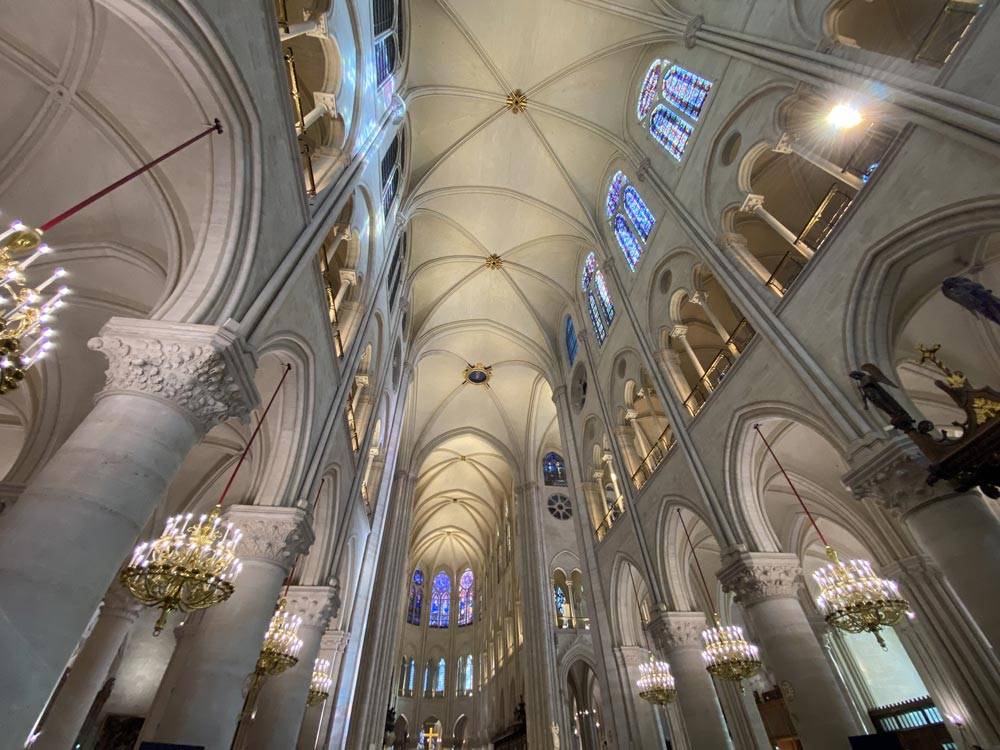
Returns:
<point x="633" y="656"/>
<point x="678" y="331"/>
<point x="895" y="475"/>
<point x="912" y="568"/>
<point x="316" y="605"/>
<point x="677" y="630"/>
<point x="271" y="534"/>
<point x="204" y="371"/>
<point x="699" y="297"/>
<point x="334" y="642"/>
<point x="755" y="577"/>
<point x="784" y="144"/>
<point x="751" y="203"/>
<point x="120" y="603"/>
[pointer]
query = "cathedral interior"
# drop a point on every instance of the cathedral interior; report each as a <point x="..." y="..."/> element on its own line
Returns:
<point x="590" y="374"/>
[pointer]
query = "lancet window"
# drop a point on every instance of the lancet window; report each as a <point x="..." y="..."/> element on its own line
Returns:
<point x="387" y="28"/>
<point x="440" y="601"/>
<point x="392" y="170"/>
<point x="416" y="603"/>
<point x="465" y="597"/>
<point x="572" y="344"/>
<point x="630" y="218"/>
<point x="672" y="98"/>
<point x="599" y="304"/>
<point x="554" y="470"/>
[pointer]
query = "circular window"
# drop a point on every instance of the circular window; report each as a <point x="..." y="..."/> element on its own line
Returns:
<point x="560" y="507"/>
<point x="621" y="368"/>
<point x="731" y="148"/>
<point x="665" y="280"/>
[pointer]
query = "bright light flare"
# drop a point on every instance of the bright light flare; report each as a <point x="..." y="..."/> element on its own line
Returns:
<point x="844" y="117"/>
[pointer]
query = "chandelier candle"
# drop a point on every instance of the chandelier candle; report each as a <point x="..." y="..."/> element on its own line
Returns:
<point x="655" y="683"/>
<point x="852" y="597"/>
<point x="191" y="565"/>
<point x="319" y="686"/>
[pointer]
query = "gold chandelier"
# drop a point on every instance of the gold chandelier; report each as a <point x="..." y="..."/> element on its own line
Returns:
<point x="727" y="654"/>
<point x="190" y="566"/>
<point x="655" y="683"/>
<point x="319" y="686"/>
<point x="852" y="597"/>
<point x="25" y="308"/>
<point x="281" y="643"/>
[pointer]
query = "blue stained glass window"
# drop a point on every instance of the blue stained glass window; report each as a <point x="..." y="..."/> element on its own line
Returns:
<point x="412" y="675"/>
<point x="554" y="470"/>
<point x="606" y="303"/>
<point x="627" y="241"/>
<point x="686" y="91"/>
<point x="439" y="678"/>
<point x="440" y="601"/>
<point x="560" y="597"/>
<point x="572" y="344"/>
<point x="670" y="131"/>
<point x="467" y="676"/>
<point x="589" y="268"/>
<point x="650" y="89"/>
<point x="416" y="604"/>
<point x="465" y="598"/>
<point x="618" y="182"/>
<point x="595" y="318"/>
<point x="637" y="210"/>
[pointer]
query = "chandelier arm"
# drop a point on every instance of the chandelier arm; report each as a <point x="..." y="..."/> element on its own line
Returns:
<point x="794" y="491"/>
<point x="697" y="564"/>
<point x="253" y="436"/>
<point x="216" y="128"/>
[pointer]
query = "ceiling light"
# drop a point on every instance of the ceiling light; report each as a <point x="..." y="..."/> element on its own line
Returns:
<point x="844" y="117"/>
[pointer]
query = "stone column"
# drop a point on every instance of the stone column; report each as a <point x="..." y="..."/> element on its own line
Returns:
<point x="766" y="585"/>
<point x="282" y="701"/>
<point x="754" y="204"/>
<point x="958" y="531"/>
<point x="679" y="332"/>
<point x="736" y="244"/>
<point x="625" y="435"/>
<point x="89" y="671"/>
<point x="646" y="733"/>
<point x="541" y="691"/>
<point x="701" y="299"/>
<point x="788" y="145"/>
<point x="678" y="636"/>
<point x="72" y="527"/>
<point x="211" y="665"/>
<point x="317" y="718"/>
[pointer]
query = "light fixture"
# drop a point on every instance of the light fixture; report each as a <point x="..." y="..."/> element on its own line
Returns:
<point x="319" y="686"/>
<point x="852" y="597"/>
<point x="844" y="116"/>
<point x="656" y="684"/>
<point x="282" y="644"/>
<point x="727" y="655"/>
<point x="191" y="565"/>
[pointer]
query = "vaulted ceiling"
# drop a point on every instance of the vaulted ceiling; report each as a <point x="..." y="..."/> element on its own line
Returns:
<point x="526" y="187"/>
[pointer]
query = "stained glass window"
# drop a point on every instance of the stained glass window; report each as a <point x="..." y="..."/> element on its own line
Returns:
<point x="589" y="268"/>
<point x="554" y="470"/>
<point x="670" y="131"/>
<point x="595" y="318"/>
<point x="627" y="241"/>
<point x="560" y="597"/>
<point x="385" y="17"/>
<point x="571" y="342"/>
<point x="650" y="88"/>
<point x="440" y="601"/>
<point x="606" y="303"/>
<point x="637" y="210"/>
<point x="412" y="676"/>
<point x="467" y="677"/>
<point x="618" y="182"/>
<point x="415" y="607"/>
<point x="686" y="91"/>
<point x="439" y="677"/>
<point x="427" y="676"/>
<point x="465" y="598"/>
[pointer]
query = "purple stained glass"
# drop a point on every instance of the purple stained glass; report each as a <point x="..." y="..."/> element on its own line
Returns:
<point x="650" y="88"/>
<point x="465" y="607"/>
<point x="589" y="267"/>
<point x="618" y="182"/>
<point x="670" y="131"/>
<point x="628" y="242"/>
<point x="415" y="606"/>
<point x="637" y="210"/>
<point x="595" y="318"/>
<point x="440" y="601"/>
<point x="686" y="91"/>
<point x="606" y="303"/>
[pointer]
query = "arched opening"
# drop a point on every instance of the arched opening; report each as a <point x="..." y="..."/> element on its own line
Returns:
<point x="604" y="494"/>
<point x="431" y="736"/>
<point x="647" y="430"/>
<point x="458" y="734"/>
<point x="584" y="697"/>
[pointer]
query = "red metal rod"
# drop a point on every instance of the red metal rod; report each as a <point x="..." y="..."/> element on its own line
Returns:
<point x="701" y="574"/>
<point x="253" y="436"/>
<point x="794" y="491"/>
<point x="216" y="128"/>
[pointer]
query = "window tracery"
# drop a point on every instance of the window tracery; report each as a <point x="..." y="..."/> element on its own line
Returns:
<point x="465" y="598"/>
<point x="672" y="101"/>
<point x="594" y="287"/>
<point x="572" y="344"/>
<point x="415" y="606"/>
<point x="386" y="32"/>
<point x="650" y="89"/>
<point x="440" y="601"/>
<point x="554" y="470"/>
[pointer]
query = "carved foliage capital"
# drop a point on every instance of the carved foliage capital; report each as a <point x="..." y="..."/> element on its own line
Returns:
<point x="898" y="481"/>
<point x="334" y="642"/>
<point x="271" y="534"/>
<point x="754" y="577"/>
<point x="676" y="630"/>
<point x="206" y="371"/>
<point x="316" y="605"/>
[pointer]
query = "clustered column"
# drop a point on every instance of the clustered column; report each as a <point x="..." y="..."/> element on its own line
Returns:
<point x="200" y="699"/>
<point x="766" y="585"/>
<point x="313" y="732"/>
<point x="64" y="540"/>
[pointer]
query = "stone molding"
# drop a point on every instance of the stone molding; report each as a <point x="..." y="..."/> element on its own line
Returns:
<point x="895" y="475"/>
<point x="633" y="656"/>
<point x="694" y="25"/>
<point x="271" y="534"/>
<point x="912" y="567"/>
<point x="334" y="642"/>
<point x="317" y="605"/>
<point x="118" y="602"/>
<point x="755" y="577"/>
<point x="677" y="630"/>
<point x="204" y="371"/>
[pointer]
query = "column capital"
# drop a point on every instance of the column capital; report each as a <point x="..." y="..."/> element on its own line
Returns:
<point x="699" y="297"/>
<point x="334" y="641"/>
<point x="271" y="534"/>
<point x="120" y="603"/>
<point x="677" y="630"/>
<point x="526" y="488"/>
<point x="754" y="577"/>
<point x="894" y="474"/>
<point x="678" y="331"/>
<point x="558" y="393"/>
<point x="317" y="605"/>
<point x="204" y="371"/>
<point x="752" y="203"/>
<point x="784" y="144"/>
<point x="633" y="656"/>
